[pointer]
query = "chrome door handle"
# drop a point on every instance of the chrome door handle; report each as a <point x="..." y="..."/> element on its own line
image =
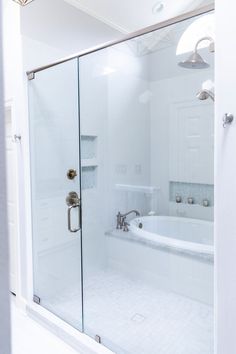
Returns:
<point x="77" y="205"/>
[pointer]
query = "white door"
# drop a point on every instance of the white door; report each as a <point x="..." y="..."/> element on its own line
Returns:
<point x="11" y="198"/>
<point x="192" y="142"/>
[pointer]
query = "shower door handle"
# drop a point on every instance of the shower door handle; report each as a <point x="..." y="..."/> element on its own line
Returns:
<point x="74" y="206"/>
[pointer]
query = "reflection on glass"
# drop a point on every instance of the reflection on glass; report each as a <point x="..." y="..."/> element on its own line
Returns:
<point x="148" y="279"/>
<point x="54" y="151"/>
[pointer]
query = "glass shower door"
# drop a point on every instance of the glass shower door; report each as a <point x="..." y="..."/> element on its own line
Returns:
<point x="147" y="170"/>
<point x="54" y="130"/>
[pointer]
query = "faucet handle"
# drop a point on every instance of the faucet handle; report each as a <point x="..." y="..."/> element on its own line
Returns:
<point x="123" y="222"/>
<point x="118" y="220"/>
<point x="125" y="227"/>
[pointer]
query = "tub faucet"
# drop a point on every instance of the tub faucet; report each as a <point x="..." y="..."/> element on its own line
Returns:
<point x="120" y="219"/>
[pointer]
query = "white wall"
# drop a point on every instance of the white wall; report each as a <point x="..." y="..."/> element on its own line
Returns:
<point x="111" y="83"/>
<point x="225" y="179"/>
<point x="5" y="336"/>
<point x="128" y="130"/>
<point x="65" y="30"/>
<point x="173" y="90"/>
<point x="168" y="143"/>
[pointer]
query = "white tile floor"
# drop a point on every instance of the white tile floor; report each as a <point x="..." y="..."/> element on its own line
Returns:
<point x="28" y="337"/>
<point x="131" y="317"/>
<point x="137" y="318"/>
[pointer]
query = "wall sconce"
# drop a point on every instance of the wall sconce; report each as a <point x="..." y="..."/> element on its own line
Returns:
<point x="23" y="2"/>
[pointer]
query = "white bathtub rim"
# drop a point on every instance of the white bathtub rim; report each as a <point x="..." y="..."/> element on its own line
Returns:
<point x="199" y="248"/>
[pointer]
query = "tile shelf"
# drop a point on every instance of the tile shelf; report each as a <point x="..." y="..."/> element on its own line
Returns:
<point x="89" y="162"/>
<point x="88" y="147"/>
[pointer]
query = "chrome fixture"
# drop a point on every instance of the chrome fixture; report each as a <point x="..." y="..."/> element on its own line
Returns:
<point x="195" y="61"/>
<point x="36" y="299"/>
<point x="126" y="226"/>
<point x="227" y="119"/>
<point x="23" y="2"/>
<point x="121" y="220"/>
<point x="98" y="339"/>
<point x="73" y="201"/>
<point x="140" y="225"/>
<point x="178" y="199"/>
<point x="190" y="200"/>
<point x="16" y="138"/>
<point x="205" y="202"/>
<point x="205" y="94"/>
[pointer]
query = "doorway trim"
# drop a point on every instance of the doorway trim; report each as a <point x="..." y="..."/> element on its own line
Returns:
<point x="9" y="106"/>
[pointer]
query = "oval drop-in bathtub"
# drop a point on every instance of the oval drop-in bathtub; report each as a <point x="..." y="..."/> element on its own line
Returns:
<point x="191" y="235"/>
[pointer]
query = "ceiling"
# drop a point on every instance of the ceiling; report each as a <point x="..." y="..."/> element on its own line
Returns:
<point x="132" y="15"/>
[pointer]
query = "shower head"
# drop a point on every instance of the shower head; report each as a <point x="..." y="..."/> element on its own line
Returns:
<point x="195" y="61"/>
<point x="205" y="94"/>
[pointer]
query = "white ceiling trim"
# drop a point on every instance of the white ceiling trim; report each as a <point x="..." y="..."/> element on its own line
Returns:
<point x="94" y="14"/>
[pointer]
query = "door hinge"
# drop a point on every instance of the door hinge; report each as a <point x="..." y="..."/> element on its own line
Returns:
<point x="36" y="299"/>
<point x="98" y="339"/>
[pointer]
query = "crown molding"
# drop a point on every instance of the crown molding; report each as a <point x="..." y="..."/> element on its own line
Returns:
<point x="92" y="13"/>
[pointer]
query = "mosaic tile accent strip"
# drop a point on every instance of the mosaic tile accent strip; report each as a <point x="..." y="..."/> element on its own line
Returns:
<point x="89" y="177"/>
<point x="198" y="192"/>
<point x="88" y="146"/>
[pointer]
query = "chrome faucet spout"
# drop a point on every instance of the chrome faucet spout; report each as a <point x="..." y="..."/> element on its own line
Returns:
<point x="136" y="212"/>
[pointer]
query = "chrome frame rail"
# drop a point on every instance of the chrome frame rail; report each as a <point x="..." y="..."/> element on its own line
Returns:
<point x="152" y="28"/>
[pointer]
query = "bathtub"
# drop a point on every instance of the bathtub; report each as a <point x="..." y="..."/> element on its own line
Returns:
<point x="184" y="235"/>
<point x="172" y="253"/>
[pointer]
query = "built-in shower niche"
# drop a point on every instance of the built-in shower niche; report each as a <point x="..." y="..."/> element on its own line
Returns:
<point x="89" y="177"/>
<point x="89" y="161"/>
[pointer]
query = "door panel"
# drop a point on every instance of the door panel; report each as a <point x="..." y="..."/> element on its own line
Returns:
<point x="146" y="139"/>
<point x="54" y="128"/>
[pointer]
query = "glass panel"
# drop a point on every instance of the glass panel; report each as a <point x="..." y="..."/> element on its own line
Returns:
<point x="54" y="145"/>
<point x="148" y="278"/>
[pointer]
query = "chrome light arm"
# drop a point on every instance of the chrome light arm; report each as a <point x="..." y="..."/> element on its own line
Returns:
<point x="211" y="45"/>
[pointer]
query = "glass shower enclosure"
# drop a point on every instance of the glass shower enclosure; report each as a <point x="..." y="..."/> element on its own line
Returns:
<point x="122" y="153"/>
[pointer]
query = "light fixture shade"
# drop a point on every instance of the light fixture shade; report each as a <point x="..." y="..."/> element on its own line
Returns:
<point x="195" y="61"/>
<point x="23" y="2"/>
